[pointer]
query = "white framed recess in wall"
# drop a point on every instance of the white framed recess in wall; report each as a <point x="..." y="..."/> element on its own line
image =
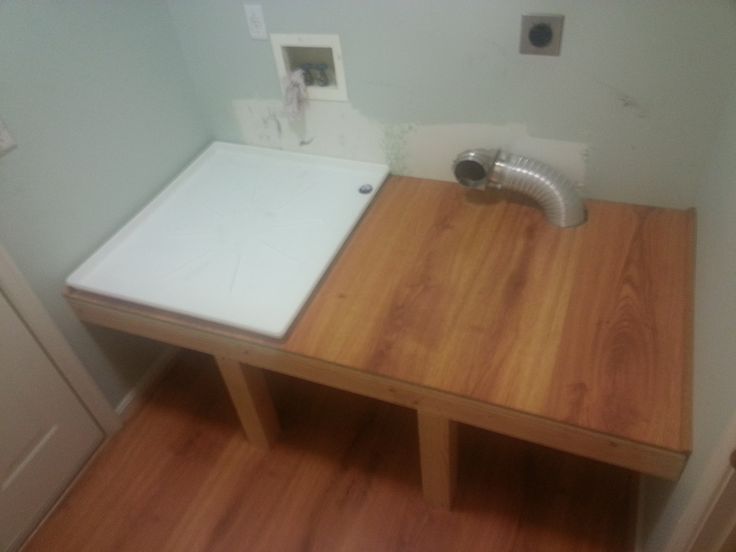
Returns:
<point x="320" y="56"/>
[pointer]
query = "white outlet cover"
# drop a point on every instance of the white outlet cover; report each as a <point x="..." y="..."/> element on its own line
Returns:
<point x="7" y="143"/>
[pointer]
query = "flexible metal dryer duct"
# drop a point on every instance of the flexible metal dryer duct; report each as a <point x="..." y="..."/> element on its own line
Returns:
<point x="556" y="195"/>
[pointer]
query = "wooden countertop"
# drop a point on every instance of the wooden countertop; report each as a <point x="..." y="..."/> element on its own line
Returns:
<point x="583" y="333"/>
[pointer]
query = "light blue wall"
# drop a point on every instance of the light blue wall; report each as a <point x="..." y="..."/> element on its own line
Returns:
<point x="715" y="331"/>
<point x="640" y="83"/>
<point x="99" y="100"/>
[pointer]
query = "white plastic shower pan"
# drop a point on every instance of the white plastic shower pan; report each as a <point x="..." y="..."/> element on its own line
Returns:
<point x="241" y="237"/>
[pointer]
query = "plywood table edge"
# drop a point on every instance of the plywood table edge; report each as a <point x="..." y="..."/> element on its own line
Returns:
<point x="637" y="456"/>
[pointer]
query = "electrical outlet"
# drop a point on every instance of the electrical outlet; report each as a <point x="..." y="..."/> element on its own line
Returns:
<point x="7" y="142"/>
<point x="541" y="35"/>
<point x="256" y="21"/>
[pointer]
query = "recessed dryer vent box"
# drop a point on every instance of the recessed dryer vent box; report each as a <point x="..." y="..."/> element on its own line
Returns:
<point x="321" y="58"/>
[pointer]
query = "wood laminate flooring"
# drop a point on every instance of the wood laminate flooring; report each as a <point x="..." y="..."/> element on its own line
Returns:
<point x="344" y="476"/>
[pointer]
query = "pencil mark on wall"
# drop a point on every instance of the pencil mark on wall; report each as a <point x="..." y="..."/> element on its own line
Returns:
<point x="628" y="102"/>
<point x="631" y="103"/>
<point x="585" y="155"/>
<point x="272" y="118"/>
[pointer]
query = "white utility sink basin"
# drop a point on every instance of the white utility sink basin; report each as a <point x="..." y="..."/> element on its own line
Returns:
<point x="241" y="237"/>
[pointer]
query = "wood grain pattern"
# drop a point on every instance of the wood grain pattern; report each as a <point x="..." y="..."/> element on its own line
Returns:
<point x="341" y="478"/>
<point x="438" y="457"/>
<point x="579" y="339"/>
<point x="252" y="401"/>
<point x="585" y="325"/>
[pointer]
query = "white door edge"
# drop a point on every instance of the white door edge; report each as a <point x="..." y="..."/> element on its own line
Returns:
<point x="719" y="519"/>
<point x="40" y="324"/>
<point x="715" y="479"/>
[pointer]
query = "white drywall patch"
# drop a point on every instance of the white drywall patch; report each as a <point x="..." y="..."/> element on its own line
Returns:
<point x="329" y="128"/>
<point x="432" y="148"/>
<point x="427" y="151"/>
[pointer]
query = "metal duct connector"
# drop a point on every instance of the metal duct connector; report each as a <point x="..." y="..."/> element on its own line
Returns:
<point x="555" y="194"/>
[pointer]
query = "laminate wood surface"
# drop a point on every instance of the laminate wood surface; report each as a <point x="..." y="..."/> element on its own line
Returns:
<point x="487" y="300"/>
<point x="343" y="477"/>
<point x="473" y="305"/>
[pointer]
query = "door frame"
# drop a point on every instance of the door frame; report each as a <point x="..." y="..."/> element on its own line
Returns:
<point x="718" y="529"/>
<point x="705" y="519"/>
<point x="31" y="311"/>
<point x="714" y="507"/>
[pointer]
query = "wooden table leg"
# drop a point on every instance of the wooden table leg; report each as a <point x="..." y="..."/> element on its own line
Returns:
<point x="252" y="400"/>
<point x="438" y="454"/>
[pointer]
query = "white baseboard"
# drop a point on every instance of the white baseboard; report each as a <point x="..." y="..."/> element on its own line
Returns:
<point x="131" y="402"/>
